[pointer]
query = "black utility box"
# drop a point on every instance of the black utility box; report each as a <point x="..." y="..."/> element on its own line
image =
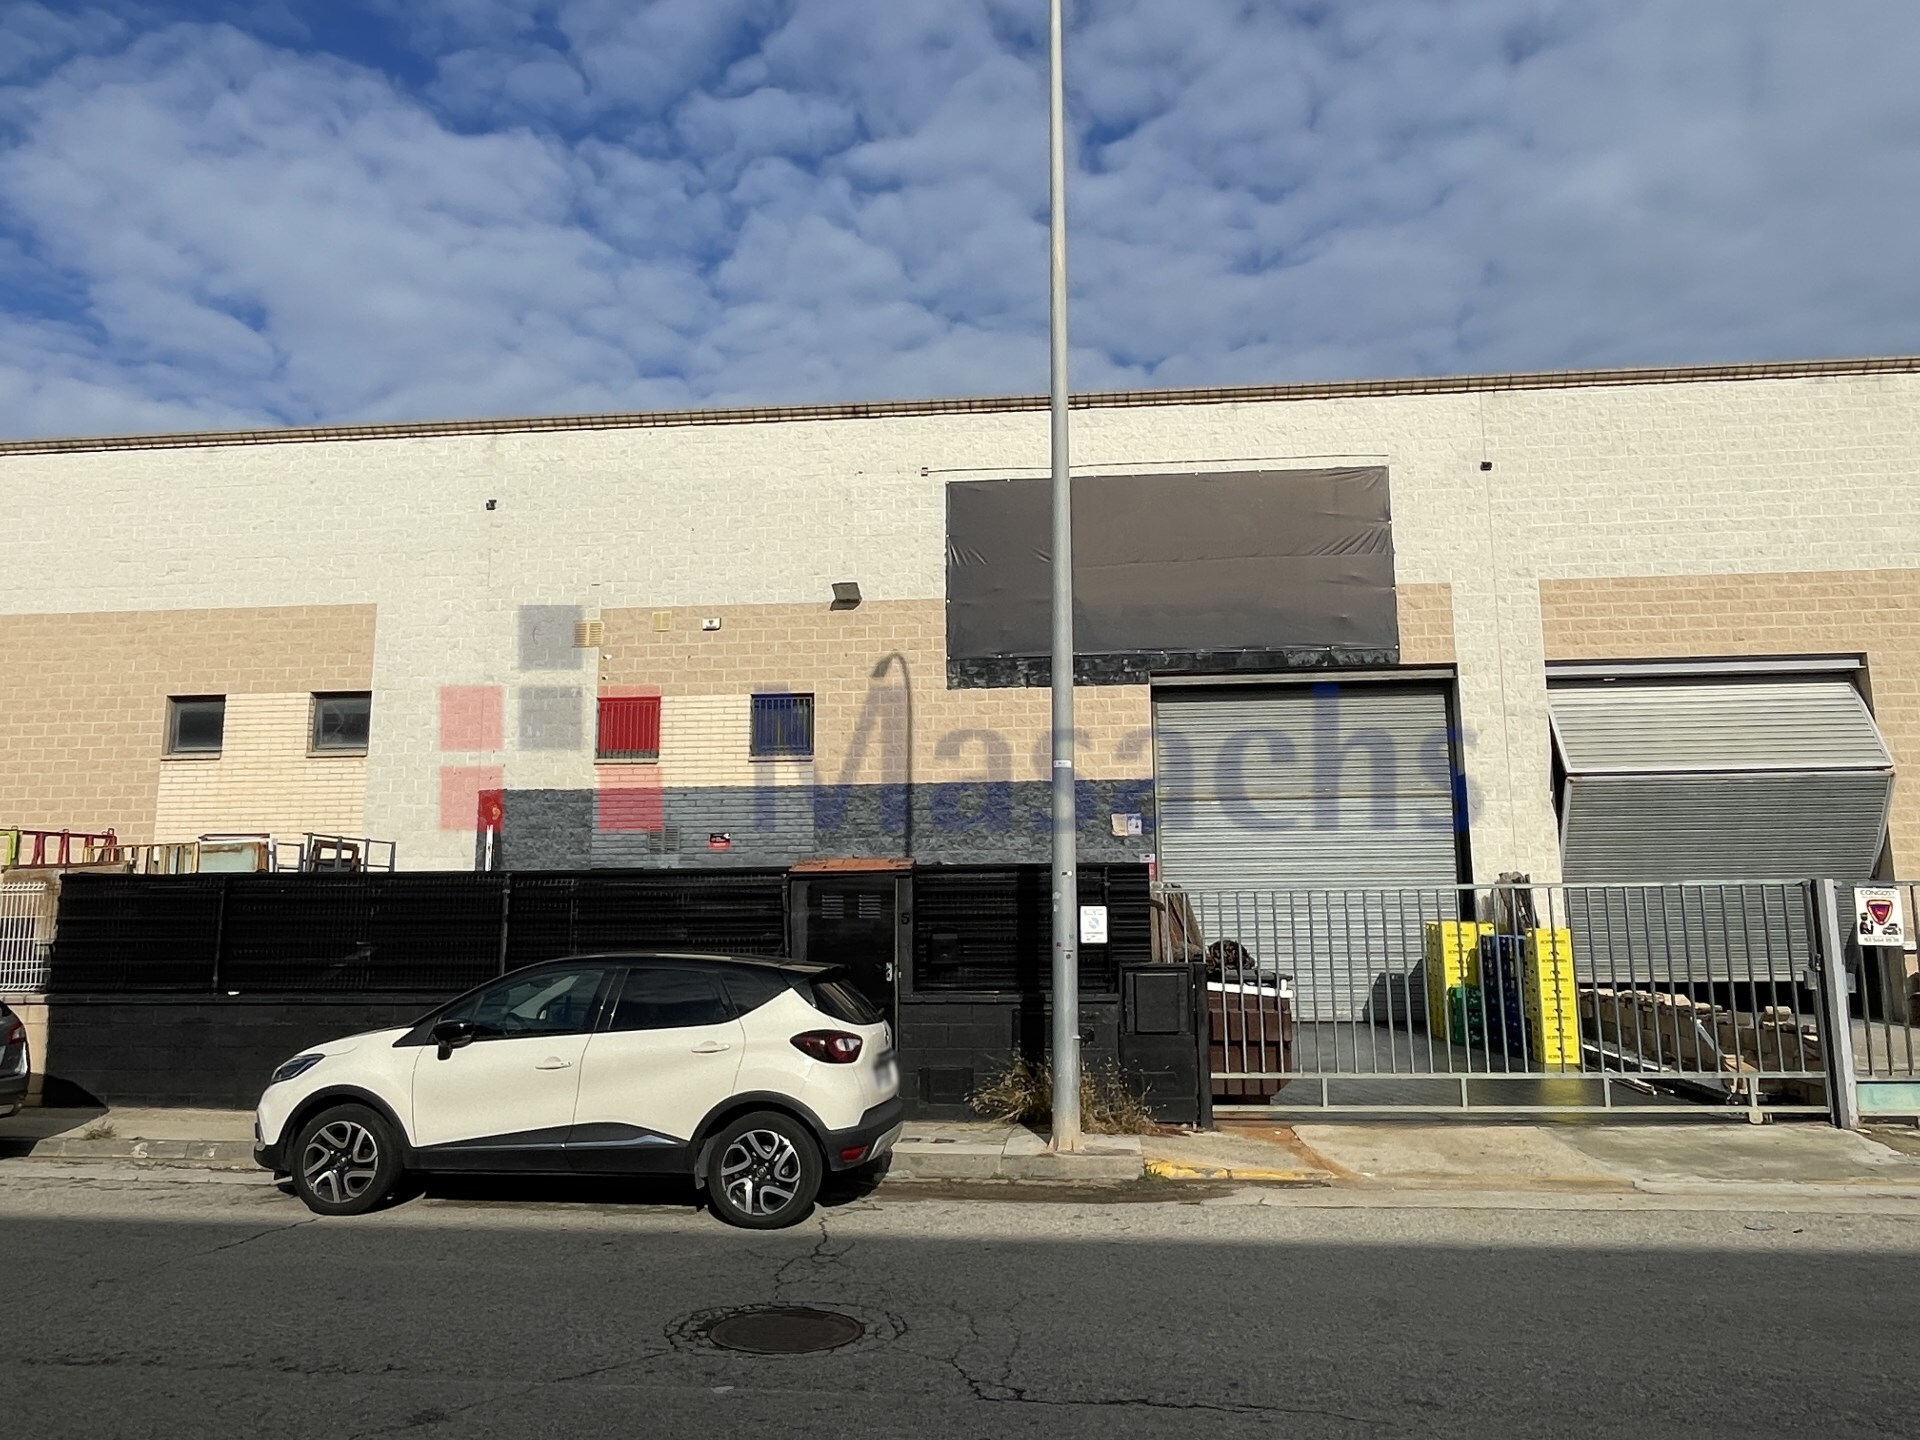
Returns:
<point x="1163" y="1040"/>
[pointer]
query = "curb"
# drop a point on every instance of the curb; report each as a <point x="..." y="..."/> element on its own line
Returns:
<point x="199" y="1152"/>
<point x="1177" y="1170"/>
<point x="912" y="1166"/>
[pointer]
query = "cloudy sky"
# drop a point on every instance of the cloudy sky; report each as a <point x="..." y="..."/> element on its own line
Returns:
<point x="332" y="210"/>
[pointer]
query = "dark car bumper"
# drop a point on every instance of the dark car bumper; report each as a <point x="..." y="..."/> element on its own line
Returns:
<point x="13" y="1093"/>
<point x="872" y="1138"/>
<point x="268" y="1157"/>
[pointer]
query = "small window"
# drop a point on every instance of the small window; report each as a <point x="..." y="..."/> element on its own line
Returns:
<point x="196" y="724"/>
<point x="752" y="988"/>
<point x="659" y="999"/>
<point x="841" y="1000"/>
<point x="629" y="728"/>
<point x="782" y="727"/>
<point x="342" y="722"/>
<point x="553" y="1002"/>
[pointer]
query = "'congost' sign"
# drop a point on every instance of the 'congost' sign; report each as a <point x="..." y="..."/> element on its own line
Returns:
<point x="1879" y="921"/>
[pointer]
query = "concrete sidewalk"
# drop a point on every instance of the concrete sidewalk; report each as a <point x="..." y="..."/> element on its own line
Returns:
<point x="224" y="1138"/>
<point x="1619" y="1157"/>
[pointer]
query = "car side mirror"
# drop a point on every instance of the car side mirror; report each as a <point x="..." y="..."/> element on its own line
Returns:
<point x="451" y="1035"/>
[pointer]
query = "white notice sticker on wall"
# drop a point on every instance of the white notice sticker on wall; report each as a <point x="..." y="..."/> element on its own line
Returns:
<point x="1093" y="924"/>
<point x="1877" y="919"/>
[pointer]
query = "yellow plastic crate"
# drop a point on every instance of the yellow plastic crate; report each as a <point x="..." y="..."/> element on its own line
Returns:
<point x="1452" y="961"/>
<point x="1551" y="999"/>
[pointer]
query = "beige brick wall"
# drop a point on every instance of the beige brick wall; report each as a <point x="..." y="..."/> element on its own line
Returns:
<point x="1706" y="477"/>
<point x="860" y="721"/>
<point x="1426" y="624"/>
<point x="706" y="739"/>
<point x="264" y="779"/>
<point x="1842" y="612"/>
<point x="83" y="697"/>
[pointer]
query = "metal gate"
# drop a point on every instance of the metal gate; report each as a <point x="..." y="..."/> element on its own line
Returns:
<point x="24" y="923"/>
<point x="1513" y="998"/>
<point x="1883" y="1004"/>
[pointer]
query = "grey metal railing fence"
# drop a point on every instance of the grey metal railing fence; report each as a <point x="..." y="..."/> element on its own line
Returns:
<point x="1883" y="1000"/>
<point x="1525" y="997"/>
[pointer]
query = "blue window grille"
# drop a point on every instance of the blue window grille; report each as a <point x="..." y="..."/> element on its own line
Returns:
<point x="782" y="727"/>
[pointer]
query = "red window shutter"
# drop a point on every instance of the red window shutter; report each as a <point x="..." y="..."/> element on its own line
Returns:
<point x="630" y="727"/>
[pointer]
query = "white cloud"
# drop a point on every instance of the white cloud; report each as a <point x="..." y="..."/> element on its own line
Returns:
<point x="614" y="203"/>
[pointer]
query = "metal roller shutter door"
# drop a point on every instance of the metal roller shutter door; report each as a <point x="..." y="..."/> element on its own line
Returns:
<point x="1726" y="779"/>
<point x="1310" y="788"/>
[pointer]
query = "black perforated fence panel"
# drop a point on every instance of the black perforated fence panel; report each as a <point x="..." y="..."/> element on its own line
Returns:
<point x="372" y="934"/>
<point x="988" y="929"/>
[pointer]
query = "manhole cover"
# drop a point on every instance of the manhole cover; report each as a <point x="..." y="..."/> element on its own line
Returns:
<point x="784" y="1330"/>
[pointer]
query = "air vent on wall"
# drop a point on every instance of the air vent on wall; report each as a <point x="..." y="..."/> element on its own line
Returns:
<point x="589" y="634"/>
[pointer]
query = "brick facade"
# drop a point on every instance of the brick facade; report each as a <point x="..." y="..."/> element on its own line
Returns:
<point x="83" y="699"/>
<point x="474" y="542"/>
<point x="265" y="780"/>
<point x="1875" y="613"/>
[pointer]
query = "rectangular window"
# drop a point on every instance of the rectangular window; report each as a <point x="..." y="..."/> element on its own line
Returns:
<point x="196" y="724"/>
<point x="655" y="999"/>
<point x="342" y="722"/>
<point x="782" y="727"/>
<point x="629" y="728"/>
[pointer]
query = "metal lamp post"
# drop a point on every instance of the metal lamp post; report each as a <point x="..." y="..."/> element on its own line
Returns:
<point x="1066" y="884"/>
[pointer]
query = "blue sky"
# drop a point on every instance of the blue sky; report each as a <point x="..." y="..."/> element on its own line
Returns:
<point x="298" y="212"/>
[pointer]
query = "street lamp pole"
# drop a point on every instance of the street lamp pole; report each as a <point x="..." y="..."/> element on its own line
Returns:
<point x="1066" y="886"/>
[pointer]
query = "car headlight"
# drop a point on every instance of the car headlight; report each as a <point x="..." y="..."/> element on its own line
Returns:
<point x="295" y="1067"/>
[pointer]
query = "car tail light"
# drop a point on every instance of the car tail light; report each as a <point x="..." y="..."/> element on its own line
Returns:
<point x="14" y="1033"/>
<point x="853" y="1154"/>
<point x="836" y="1047"/>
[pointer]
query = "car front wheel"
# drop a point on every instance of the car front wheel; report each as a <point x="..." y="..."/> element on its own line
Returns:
<point x="764" y="1172"/>
<point x="345" y="1161"/>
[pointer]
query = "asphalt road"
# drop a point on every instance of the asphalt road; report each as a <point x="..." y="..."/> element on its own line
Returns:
<point x="136" y="1308"/>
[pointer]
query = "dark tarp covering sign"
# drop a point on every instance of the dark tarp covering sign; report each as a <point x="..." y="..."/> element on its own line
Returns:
<point x="1266" y="560"/>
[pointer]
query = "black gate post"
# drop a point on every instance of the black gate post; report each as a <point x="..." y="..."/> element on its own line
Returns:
<point x="506" y="909"/>
<point x="220" y="930"/>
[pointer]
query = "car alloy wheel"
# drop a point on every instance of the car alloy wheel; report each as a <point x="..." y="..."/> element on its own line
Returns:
<point x="341" y="1162"/>
<point x="761" y="1173"/>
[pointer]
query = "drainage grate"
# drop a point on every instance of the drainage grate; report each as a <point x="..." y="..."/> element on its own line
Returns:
<point x="783" y="1330"/>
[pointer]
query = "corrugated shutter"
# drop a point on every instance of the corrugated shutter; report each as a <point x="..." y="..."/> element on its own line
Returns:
<point x="1628" y="727"/>
<point x="1310" y="788"/>
<point x="1305" y="787"/>
<point x="1725" y="827"/>
<point x="1721" y="779"/>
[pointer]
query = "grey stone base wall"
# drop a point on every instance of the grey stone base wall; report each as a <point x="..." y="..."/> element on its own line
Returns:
<point x="969" y="823"/>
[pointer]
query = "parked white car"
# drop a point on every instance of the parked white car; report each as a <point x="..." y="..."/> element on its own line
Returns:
<point x="15" y="1062"/>
<point x="753" y="1076"/>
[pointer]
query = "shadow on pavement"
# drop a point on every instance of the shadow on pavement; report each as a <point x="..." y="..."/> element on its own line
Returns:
<point x="636" y="1190"/>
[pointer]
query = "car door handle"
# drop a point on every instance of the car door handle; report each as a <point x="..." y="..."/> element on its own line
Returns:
<point x="711" y="1047"/>
<point x="554" y="1062"/>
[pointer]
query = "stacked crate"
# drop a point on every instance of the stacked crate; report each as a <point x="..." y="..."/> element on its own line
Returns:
<point x="1553" y="1018"/>
<point x="1503" y="963"/>
<point x="1453" y="979"/>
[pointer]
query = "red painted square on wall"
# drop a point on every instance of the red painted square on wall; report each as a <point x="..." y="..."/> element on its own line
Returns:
<point x="630" y="801"/>
<point x="461" y="787"/>
<point x="473" y="717"/>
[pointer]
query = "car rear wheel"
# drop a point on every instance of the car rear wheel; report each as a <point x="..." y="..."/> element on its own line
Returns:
<point x="345" y="1161"/>
<point x="764" y="1172"/>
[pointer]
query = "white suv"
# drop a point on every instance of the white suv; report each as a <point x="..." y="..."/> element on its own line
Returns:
<point x="753" y="1076"/>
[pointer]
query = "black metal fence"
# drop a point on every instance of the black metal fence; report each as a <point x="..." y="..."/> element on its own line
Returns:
<point x="377" y="933"/>
<point x="987" y="929"/>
